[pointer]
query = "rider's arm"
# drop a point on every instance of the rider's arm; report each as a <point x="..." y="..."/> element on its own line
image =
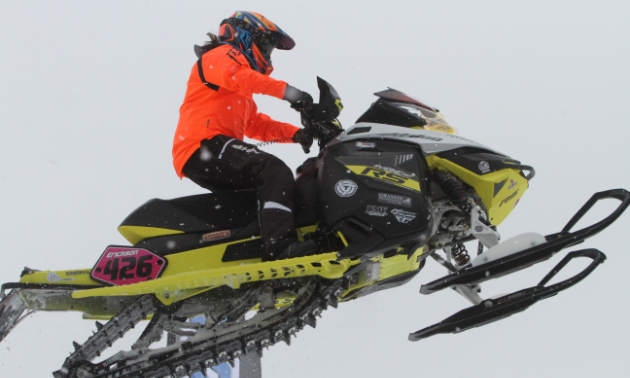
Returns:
<point x="231" y="71"/>
<point x="262" y="127"/>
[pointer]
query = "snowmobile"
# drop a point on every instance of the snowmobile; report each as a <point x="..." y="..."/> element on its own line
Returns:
<point x="380" y="199"/>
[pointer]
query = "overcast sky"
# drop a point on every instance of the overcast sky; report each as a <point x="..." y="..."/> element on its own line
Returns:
<point x="89" y="101"/>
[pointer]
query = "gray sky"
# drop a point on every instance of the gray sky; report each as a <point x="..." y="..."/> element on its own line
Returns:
<point x="89" y="100"/>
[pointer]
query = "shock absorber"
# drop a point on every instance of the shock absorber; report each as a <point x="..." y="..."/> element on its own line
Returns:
<point x="460" y="254"/>
<point x="453" y="189"/>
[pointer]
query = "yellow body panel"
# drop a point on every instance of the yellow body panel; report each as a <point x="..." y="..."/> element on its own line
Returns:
<point x="61" y="277"/>
<point x="193" y="272"/>
<point x="136" y="234"/>
<point x="180" y="277"/>
<point x="499" y="204"/>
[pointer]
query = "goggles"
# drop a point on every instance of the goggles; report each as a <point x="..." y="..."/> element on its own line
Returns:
<point x="261" y="37"/>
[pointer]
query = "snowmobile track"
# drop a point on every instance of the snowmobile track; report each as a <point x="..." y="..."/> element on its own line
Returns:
<point x="196" y="354"/>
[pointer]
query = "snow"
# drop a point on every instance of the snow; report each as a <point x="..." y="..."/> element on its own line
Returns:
<point x="96" y="87"/>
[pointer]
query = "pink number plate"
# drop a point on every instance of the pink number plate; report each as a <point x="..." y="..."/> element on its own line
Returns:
<point x="125" y="266"/>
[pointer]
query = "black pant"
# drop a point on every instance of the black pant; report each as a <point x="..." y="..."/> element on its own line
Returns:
<point x="225" y="163"/>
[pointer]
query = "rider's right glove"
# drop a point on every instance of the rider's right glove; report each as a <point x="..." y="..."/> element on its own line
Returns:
<point x="305" y="138"/>
<point x="299" y="100"/>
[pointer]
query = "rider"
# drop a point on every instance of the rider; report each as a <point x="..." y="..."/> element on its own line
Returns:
<point x="219" y="110"/>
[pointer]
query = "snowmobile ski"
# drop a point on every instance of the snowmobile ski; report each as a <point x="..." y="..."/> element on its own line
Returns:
<point x="491" y="310"/>
<point x="523" y="259"/>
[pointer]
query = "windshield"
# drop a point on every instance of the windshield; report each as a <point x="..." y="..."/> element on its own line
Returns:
<point x="435" y="121"/>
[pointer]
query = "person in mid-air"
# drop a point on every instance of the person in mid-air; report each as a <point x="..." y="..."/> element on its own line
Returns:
<point x="219" y="110"/>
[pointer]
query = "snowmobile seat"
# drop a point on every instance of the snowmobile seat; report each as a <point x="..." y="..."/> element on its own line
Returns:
<point x="192" y="214"/>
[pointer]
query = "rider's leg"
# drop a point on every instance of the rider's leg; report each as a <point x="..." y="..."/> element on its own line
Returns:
<point x="225" y="163"/>
<point x="276" y="184"/>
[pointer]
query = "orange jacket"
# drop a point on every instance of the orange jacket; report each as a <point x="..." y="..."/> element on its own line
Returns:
<point x="229" y="111"/>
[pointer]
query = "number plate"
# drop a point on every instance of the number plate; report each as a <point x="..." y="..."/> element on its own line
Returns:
<point x="126" y="266"/>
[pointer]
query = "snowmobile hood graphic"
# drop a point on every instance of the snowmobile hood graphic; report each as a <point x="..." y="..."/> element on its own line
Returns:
<point x="394" y="190"/>
<point x="431" y="142"/>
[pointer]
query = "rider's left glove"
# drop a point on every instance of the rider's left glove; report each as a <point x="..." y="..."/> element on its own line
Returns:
<point x="305" y="138"/>
<point x="299" y="100"/>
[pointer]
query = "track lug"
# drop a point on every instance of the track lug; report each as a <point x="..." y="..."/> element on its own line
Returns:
<point x="76" y="345"/>
<point x="264" y="343"/>
<point x="99" y="326"/>
<point x="292" y="331"/>
<point x="333" y="301"/>
<point x="278" y="336"/>
<point x="323" y="304"/>
<point x="311" y="320"/>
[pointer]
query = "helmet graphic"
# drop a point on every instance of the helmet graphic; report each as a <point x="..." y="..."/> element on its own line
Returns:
<point x="256" y="21"/>
<point x="256" y="37"/>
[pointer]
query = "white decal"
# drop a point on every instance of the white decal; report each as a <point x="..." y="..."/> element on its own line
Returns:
<point x="346" y="188"/>
<point x="394" y="199"/>
<point x="243" y="148"/>
<point x="121" y="254"/>
<point x="484" y="167"/>
<point x="365" y="145"/>
<point x="378" y="211"/>
<point x="512" y="184"/>
<point x="403" y="158"/>
<point x="54" y="277"/>
<point x="404" y="216"/>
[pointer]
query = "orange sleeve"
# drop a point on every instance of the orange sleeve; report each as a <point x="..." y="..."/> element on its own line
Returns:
<point x="262" y="127"/>
<point x="229" y="69"/>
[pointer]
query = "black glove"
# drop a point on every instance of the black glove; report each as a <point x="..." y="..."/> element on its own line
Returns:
<point x="299" y="100"/>
<point x="305" y="138"/>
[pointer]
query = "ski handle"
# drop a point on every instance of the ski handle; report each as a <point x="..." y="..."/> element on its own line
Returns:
<point x="491" y="310"/>
<point x="619" y="194"/>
